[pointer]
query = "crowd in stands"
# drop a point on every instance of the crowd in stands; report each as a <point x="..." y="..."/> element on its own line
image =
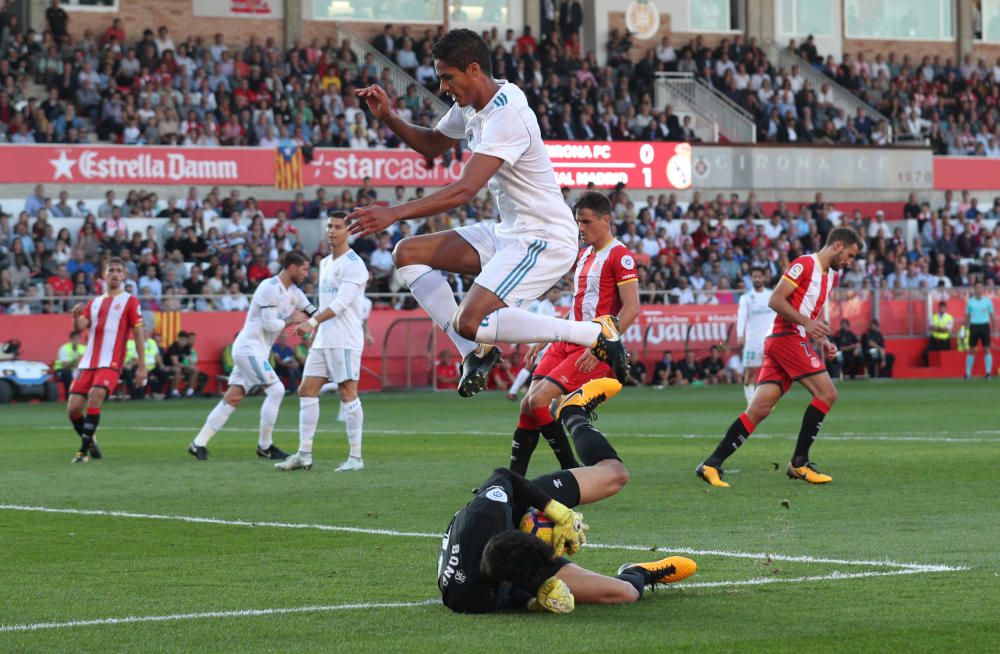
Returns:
<point x="698" y="252"/>
<point x="148" y="88"/>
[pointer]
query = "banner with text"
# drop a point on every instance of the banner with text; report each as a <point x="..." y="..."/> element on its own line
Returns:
<point x="637" y="165"/>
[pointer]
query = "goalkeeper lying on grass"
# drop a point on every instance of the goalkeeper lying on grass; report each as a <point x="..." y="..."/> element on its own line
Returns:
<point x="488" y="564"/>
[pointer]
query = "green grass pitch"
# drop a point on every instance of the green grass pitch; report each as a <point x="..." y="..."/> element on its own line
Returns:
<point x="899" y="553"/>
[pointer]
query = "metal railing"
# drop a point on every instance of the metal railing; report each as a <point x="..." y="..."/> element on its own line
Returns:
<point x="401" y="80"/>
<point x="699" y="97"/>
<point x="783" y="59"/>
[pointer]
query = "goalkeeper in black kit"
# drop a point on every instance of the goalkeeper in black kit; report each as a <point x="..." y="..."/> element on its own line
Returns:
<point x="488" y="564"/>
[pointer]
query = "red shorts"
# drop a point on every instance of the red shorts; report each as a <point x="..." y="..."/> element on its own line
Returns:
<point x="559" y="367"/>
<point x="106" y="378"/>
<point x="788" y="358"/>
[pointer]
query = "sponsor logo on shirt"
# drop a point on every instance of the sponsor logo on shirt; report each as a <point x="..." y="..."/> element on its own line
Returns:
<point x="795" y="271"/>
<point x="628" y="263"/>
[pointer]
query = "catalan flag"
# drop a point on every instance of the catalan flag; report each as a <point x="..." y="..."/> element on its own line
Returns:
<point x="167" y="324"/>
<point x="288" y="165"/>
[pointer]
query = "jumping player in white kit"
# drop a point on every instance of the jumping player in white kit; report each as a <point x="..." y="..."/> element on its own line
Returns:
<point x="515" y="260"/>
<point x="277" y="303"/>
<point x="335" y="354"/>
<point x="754" y="320"/>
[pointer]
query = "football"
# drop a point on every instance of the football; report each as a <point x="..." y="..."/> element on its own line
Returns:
<point x="538" y="524"/>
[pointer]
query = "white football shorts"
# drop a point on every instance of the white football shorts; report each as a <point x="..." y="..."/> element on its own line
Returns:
<point x="338" y="364"/>
<point x="251" y="370"/>
<point x="517" y="270"/>
<point x="753" y="353"/>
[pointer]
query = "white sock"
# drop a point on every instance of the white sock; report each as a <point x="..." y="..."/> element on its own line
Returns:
<point x="748" y="390"/>
<point x="432" y="292"/>
<point x="308" y="419"/>
<point x="522" y="376"/>
<point x="269" y="413"/>
<point x="510" y="325"/>
<point x="215" y="421"/>
<point x="355" y="418"/>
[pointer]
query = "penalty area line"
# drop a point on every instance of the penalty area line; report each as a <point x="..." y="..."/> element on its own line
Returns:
<point x="242" y="613"/>
<point x="914" y="567"/>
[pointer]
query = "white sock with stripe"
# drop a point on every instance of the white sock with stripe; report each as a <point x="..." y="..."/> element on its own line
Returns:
<point x="430" y="288"/>
<point x="269" y="413"/>
<point x="510" y="325"/>
<point x="308" y="419"/>
<point x="354" y="416"/>
<point x="215" y="421"/>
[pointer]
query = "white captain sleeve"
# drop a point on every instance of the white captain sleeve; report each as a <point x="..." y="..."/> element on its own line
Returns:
<point x="302" y="303"/>
<point x="505" y="136"/>
<point x="452" y="124"/>
<point x="265" y="297"/>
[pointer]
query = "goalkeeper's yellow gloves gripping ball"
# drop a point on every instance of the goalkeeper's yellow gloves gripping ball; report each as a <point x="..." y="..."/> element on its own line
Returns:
<point x="570" y="531"/>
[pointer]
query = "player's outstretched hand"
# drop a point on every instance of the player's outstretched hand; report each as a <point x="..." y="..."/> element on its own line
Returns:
<point x="296" y="318"/>
<point x="141" y="375"/>
<point x="303" y="328"/>
<point x="377" y="99"/>
<point x="569" y="532"/>
<point x="554" y="596"/>
<point x="818" y="330"/>
<point x="369" y="220"/>
<point x="531" y="357"/>
<point x="78" y="309"/>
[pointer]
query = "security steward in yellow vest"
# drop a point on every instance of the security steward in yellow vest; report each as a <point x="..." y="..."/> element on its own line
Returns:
<point x="941" y="326"/>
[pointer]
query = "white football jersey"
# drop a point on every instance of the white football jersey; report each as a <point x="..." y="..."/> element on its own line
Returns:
<point x="254" y="337"/>
<point x="755" y="317"/>
<point x="336" y="275"/>
<point x="528" y="198"/>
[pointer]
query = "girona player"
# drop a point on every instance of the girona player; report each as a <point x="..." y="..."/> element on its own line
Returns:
<point x="605" y="283"/>
<point x="798" y="299"/>
<point x="107" y="318"/>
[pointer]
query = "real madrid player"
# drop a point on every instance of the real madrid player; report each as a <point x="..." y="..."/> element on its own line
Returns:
<point x="487" y="564"/>
<point x="515" y="260"/>
<point x="753" y="322"/>
<point x="335" y="354"/>
<point x="277" y="303"/>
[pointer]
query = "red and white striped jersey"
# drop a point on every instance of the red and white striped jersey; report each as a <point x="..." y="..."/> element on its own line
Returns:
<point x="812" y="287"/>
<point x="598" y="275"/>
<point x="111" y="322"/>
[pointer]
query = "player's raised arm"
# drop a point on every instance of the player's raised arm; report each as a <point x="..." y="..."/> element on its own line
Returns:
<point x="375" y="218"/>
<point x="779" y="303"/>
<point x="80" y="320"/>
<point x="427" y="141"/>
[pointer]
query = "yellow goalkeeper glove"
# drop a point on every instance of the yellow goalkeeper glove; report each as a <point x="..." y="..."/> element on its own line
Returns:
<point x="569" y="532"/>
<point x="554" y="597"/>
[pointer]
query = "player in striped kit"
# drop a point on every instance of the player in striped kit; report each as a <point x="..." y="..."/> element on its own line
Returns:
<point x="335" y="354"/>
<point x="108" y="319"/>
<point x="277" y="303"/>
<point x="789" y="356"/>
<point x="605" y="283"/>
<point x="754" y="320"/>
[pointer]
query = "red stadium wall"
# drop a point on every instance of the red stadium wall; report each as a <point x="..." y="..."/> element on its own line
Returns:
<point x="659" y="328"/>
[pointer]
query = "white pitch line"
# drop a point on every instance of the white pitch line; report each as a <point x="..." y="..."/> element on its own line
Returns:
<point x="214" y="614"/>
<point x="761" y="581"/>
<point x="904" y="437"/>
<point x="916" y="567"/>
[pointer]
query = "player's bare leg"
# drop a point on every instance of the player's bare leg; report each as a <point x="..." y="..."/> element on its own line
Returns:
<point x="354" y="417"/>
<point x="764" y="398"/>
<point x="590" y="587"/>
<point x="308" y="392"/>
<point x="536" y="420"/>
<point x="215" y="421"/>
<point x="824" y="395"/>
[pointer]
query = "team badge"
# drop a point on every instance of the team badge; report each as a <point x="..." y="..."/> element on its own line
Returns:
<point x="496" y="494"/>
<point x="814" y="361"/>
<point x="628" y="263"/>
